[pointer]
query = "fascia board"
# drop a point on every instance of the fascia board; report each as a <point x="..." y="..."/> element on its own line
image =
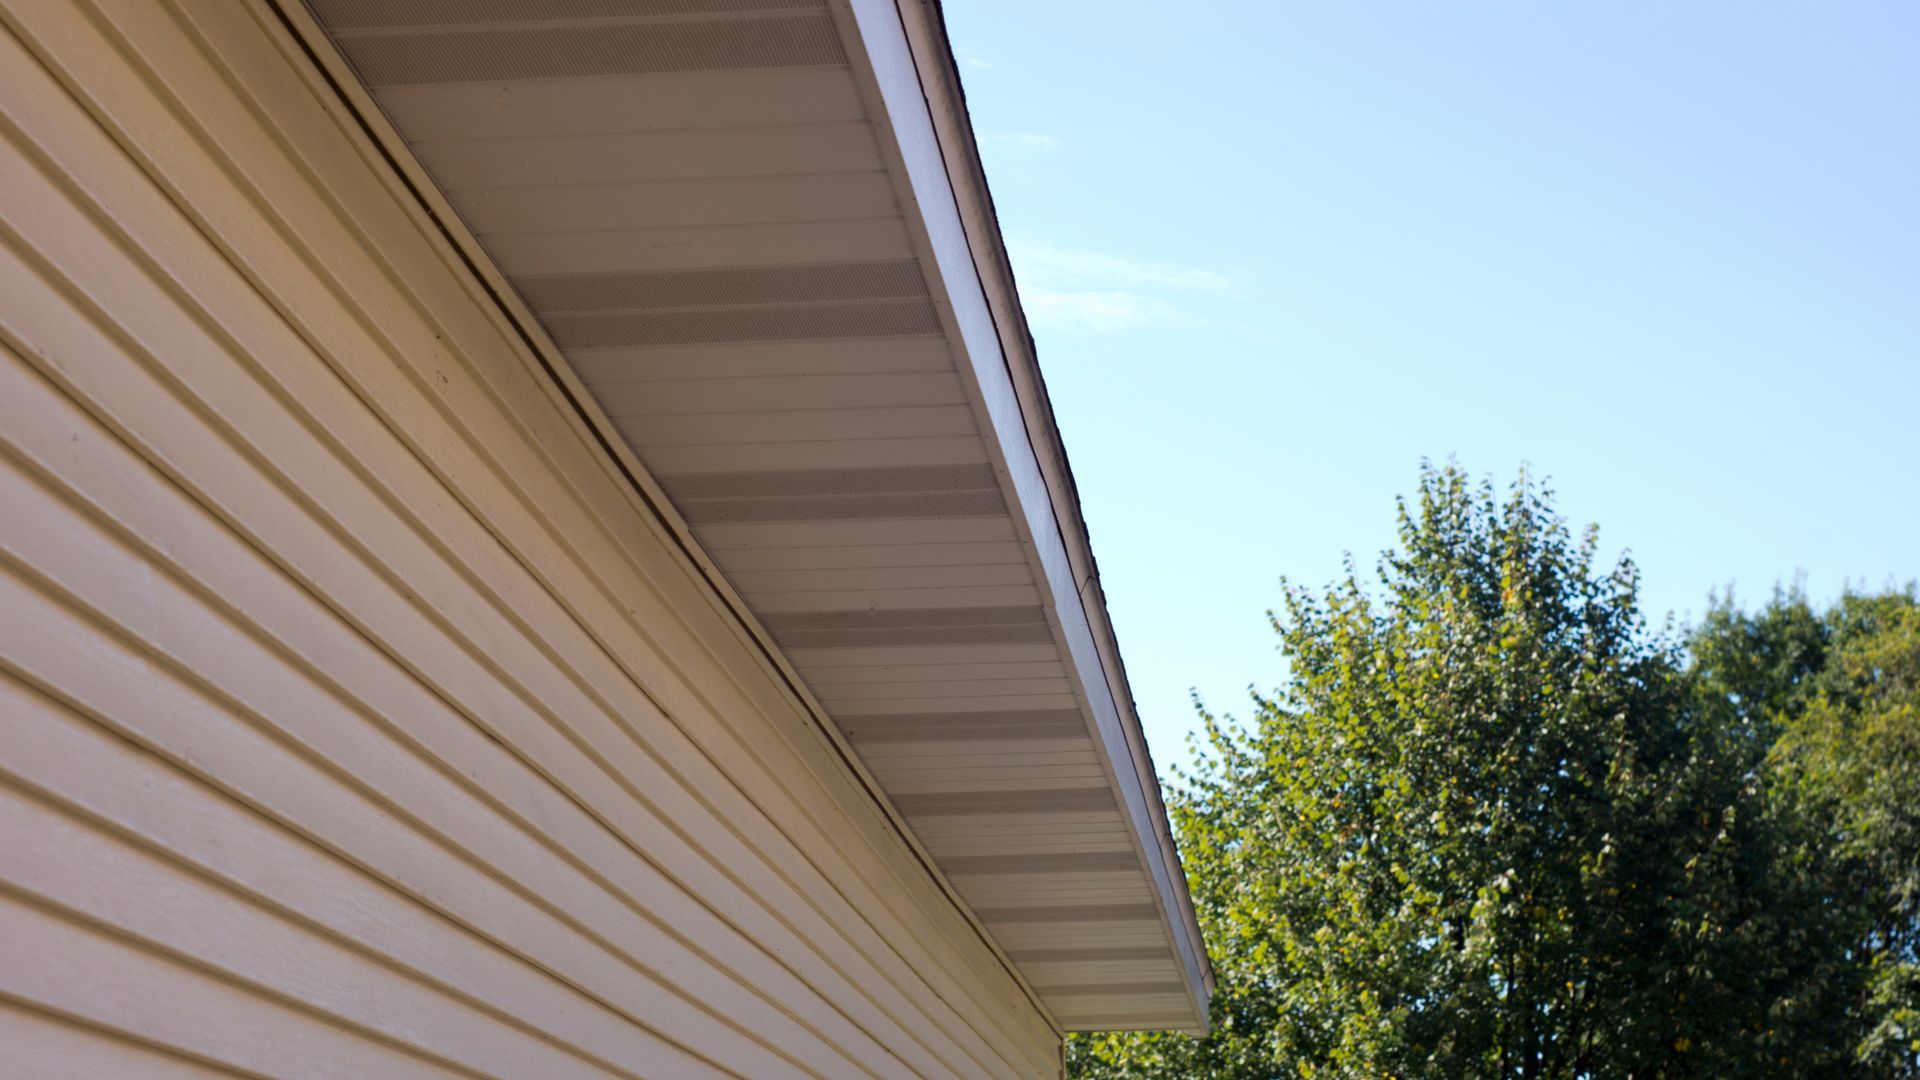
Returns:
<point x="908" y="73"/>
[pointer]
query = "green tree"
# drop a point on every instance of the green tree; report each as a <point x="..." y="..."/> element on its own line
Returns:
<point x="1490" y="827"/>
<point x="1837" y="696"/>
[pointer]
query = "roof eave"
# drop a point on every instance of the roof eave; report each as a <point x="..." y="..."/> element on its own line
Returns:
<point x="906" y="40"/>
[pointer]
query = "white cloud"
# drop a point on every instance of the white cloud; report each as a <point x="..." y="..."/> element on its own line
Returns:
<point x="1093" y="312"/>
<point x="1100" y="292"/>
<point x="971" y="58"/>
<point x="1017" y="144"/>
<point x="1060" y="266"/>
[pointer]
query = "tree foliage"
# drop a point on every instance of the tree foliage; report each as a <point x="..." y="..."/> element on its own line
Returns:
<point x="1837" y="697"/>
<point x="1493" y="825"/>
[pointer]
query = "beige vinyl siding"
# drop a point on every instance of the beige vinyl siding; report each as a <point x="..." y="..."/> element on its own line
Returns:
<point x="830" y="372"/>
<point x="359" y="718"/>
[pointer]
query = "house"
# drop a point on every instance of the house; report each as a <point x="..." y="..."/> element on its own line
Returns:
<point x="534" y="544"/>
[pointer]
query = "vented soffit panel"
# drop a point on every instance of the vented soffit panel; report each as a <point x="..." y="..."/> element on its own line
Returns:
<point x="753" y="232"/>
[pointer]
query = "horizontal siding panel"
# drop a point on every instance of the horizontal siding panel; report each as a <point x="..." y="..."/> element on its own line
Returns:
<point x="65" y="967"/>
<point x="747" y="905"/>
<point x="404" y="836"/>
<point x="47" y="1047"/>
<point x="99" y="879"/>
<point x="134" y="793"/>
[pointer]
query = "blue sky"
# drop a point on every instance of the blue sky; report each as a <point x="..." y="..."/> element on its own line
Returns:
<point x="1276" y="253"/>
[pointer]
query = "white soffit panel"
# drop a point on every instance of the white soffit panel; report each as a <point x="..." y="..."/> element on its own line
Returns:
<point x="756" y="235"/>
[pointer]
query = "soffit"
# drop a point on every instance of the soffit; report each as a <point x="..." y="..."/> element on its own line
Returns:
<point x="694" y="199"/>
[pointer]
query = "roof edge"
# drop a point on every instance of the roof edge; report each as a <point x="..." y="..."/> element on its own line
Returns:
<point x="937" y="74"/>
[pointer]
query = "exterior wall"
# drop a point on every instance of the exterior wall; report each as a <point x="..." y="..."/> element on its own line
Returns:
<point x="356" y="716"/>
